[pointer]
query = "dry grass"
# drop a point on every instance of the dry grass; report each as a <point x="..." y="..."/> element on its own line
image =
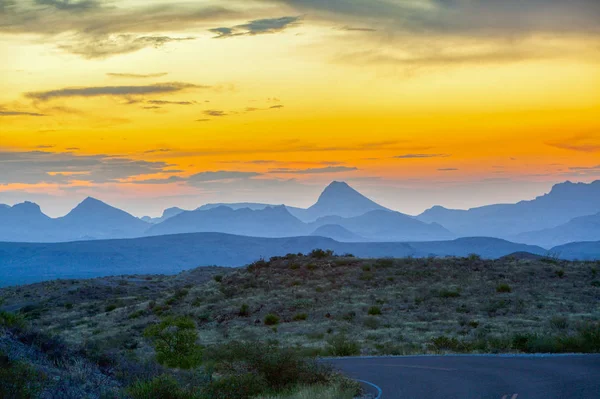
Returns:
<point x="386" y="306"/>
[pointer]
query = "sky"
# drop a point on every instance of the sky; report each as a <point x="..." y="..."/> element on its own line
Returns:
<point x="147" y="104"/>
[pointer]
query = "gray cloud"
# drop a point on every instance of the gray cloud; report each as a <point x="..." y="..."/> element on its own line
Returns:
<point x="105" y="46"/>
<point x="210" y="176"/>
<point x="421" y="156"/>
<point x="5" y="112"/>
<point x="136" y="75"/>
<point x="67" y="5"/>
<point x="469" y="17"/>
<point x="447" y="169"/>
<point x="94" y="29"/>
<point x="117" y="91"/>
<point x="357" y="29"/>
<point x="256" y="27"/>
<point x="213" y="112"/>
<point x="310" y="171"/>
<point x="56" y="167"/>
<point x="163" y="102"/>
<point x="168" y="180"/>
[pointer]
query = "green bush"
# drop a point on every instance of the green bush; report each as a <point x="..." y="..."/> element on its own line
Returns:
<point x="244" y="310"/>
<point x="11" y="320"/>
<point x="374" y="311"/>
<point x="218" y="278"/>
<point x="19" y="380"/>
<point x="445" y="293"/>
<point x="320" y="254"/>
<point x="341" y="346"/>
<point x="503" y="288"/>
<point x="175" y="342"/>
<point x="271" y="319"/>
<point x="443" y="343"/>
<point x="161" y="387"/>
<point x="278" y="367"/>
<point x="244" y="386"/>
<point x="300" y="317"/>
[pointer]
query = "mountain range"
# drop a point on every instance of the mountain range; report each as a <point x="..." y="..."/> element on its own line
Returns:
<point x="570" y="212"/>
<point x="25" y="263"/>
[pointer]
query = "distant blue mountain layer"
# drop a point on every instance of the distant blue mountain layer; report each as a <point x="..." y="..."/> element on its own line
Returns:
<point x="24" y="263"/>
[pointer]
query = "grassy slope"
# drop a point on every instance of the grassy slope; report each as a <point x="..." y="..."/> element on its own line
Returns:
<point x="316" y="299"/>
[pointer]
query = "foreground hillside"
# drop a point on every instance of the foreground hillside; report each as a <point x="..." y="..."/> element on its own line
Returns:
<point x="24" y="263"/>
<point x="337" y="305"/>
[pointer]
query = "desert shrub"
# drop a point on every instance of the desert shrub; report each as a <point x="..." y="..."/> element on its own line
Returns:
<point x="503" y="288"/>
<point x="443" y="343"/>
<point x="110" y="307"/>
<point x="244" y="310"/>
<point x="294" y="266"/>
<point x="474" y="257"/>
<point x="341" y="345"/>
<point x="161" y="387"/>
<point x="300" y="317"/>
<point x="271" y="319"/>
<point x="366" y="276"/>
<point x="374" y="311"/>
<point x="320" y="254"/>
<point x="560" y="273"/>
<point x="447" y="293"/>
<point x="174" y="340"/>
<point x="19" y="380"/>
<point x="366" y="268"/>
<point x="311" y="266"/>
<point x="218" y="278"/>
<point x="11" y="320"/>
<point x="279" y="368"/>
<point x="243" y="386"/>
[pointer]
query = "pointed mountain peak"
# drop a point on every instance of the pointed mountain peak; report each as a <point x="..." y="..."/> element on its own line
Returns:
<point x="337" y="189"/>
<point x="340" y="199"/>
<point x="91" y="203"/>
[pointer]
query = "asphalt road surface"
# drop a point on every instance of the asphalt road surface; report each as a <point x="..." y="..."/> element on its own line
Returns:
<point x="478" y="377"/>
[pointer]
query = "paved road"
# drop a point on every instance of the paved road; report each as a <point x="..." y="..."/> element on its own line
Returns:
<point x="479" y="377"/>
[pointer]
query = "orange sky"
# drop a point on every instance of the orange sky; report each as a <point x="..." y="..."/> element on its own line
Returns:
<point x="282" y="97"/>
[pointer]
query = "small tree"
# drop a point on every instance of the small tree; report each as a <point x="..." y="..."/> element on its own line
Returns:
<point x="174" y="340"/>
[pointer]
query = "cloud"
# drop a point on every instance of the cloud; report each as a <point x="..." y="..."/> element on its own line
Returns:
<point x="462" y="17"/>
<point x="67" y="5"/>
<point x="421" y="156"/>
<point x="163" y="102"/>
<point x="310" y="171"/>
<point x="256" y="27"/>
<point x="136" y="75"/>
<point x="357" y="29"/>
<point x="214" y="112"/>
<point x="210" y="176"/>
<point x="106" y="46"/>
<point x="168" y="180"/>
<point x="203" y="120"/>
<point x="5" y="112"/>
<point x="447" y="169"/>
<point x="61" y="167"/>
<point x="117" y="91"/>
<point x="97" y="29"/>
<point x="276" y="107"/>
<point x="580" y="143"/>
